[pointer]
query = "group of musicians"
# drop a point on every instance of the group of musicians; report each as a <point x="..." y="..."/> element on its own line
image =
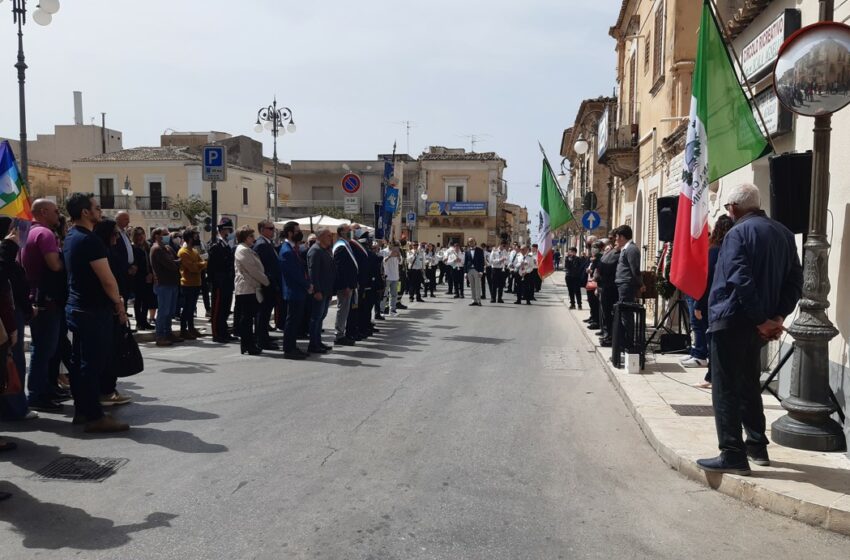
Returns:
<point x="503" y="268"/>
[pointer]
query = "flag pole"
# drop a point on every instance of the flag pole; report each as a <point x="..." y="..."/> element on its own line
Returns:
<point x="727" y="41"/>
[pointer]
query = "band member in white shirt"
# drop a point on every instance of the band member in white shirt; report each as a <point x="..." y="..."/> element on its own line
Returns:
<point x="536" y="281"/>
<point x="498" y="264"/>
<point x="454" y="258"/>
<point x="430" y="269"/>
<point x="510" y="272"/>
<point x="486" y="281"/>
<point x="524" y="266"/>
<point x="441" y="263"/>
<point x="416" y="271"/>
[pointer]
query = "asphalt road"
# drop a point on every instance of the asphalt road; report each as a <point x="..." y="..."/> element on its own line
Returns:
<point x="456" y="433"/>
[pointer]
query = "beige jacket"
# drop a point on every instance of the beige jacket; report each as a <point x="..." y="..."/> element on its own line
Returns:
<point x="250" y="274"/>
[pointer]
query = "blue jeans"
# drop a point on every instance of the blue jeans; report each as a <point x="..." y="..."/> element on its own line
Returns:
<point x="90" y="355"/>
<point x="699" y="349"/>
<point x="45" y="328"/>
<point x="166" y="297"/>
<point x="318" y="312"/>
<point x="294" y="318"/>
<point x="190" y="305"/>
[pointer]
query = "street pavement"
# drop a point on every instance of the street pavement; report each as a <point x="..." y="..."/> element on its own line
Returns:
<point x="455" y="433"/>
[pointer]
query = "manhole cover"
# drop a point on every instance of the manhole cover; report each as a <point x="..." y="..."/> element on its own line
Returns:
<point x="693" y="409"/>
<point x="80" y="469"/>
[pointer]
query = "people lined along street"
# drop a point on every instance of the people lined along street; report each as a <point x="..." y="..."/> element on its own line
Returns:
<point x="71" y="284"/>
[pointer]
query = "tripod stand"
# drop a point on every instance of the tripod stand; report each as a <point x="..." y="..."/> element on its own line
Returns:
<point x="684" y="324"/>
<point x="775" y="372"/>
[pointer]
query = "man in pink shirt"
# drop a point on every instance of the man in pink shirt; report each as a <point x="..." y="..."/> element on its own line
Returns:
<point x="44" y="269"/>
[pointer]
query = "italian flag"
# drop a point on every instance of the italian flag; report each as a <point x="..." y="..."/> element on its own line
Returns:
<point x="553" y="214"/>
<point x="14" y="199"/>
<point x="722" y="136"/>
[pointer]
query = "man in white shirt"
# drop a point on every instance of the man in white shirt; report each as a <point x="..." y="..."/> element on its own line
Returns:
<point x="510" y="272"/>
<point x="441" y="263"/>
<point x="524" y="266"/>
<point x="455" y="259"/>
<point x="498" y="263"/>
<point x="391" y="265"/>
<point x="416" y="271"/>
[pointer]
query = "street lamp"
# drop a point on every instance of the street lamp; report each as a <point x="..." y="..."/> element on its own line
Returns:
<point x="42" y="16"/>
<point x="581" y="146"/>
<point x="277" y="121"/>
<point x="127" y="190"/>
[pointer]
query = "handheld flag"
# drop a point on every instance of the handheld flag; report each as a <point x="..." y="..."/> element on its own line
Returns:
<point x="14" y="198"/>
<point x="722" y="137"/>
<point x="554" y="213"/>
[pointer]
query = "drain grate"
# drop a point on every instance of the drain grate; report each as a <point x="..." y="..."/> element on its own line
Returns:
<point x="80" y="469"/>
<point x="693" y="409"/>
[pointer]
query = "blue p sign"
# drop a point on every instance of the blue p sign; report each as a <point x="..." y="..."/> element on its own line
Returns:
<point x="215" y="163"/>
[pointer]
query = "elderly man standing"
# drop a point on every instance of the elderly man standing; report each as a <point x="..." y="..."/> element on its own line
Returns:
<point x="221" y="270"/>
<point x="40" y="257"/>
<point x="126" y="262"/>
<point x="758" y="281"/>
<point x="264" y="247"/>
<point x="474" y="265"/>
<point x="296" y="289"/>
<point x="346" y="283"/>
<point x="322" y="272"/>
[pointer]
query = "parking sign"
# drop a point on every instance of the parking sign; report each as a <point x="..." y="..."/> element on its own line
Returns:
<point x="215" y="163"/>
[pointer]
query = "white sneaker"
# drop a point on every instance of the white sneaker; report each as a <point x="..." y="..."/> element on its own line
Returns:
<point x="393" y="313"/>
<point x="695" y="363"/>
<point x="687" y="358"/>
<point x="31" y="415"/>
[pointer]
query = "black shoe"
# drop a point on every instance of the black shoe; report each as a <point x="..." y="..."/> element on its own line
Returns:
<point x="420" y="300"/>
<point x="294" y="356"/>
<point x="45" y="406"/>
<point x="605" y="343"/>
<point x="593" y="326"/>
<point x="501" y="301"/>
<point x="314" y="350"/>
<point x="379" y="317"/>
<point x="572" y="306"/>
<point x="579" y="308"/>
<point x="518" y="302"/>
<point x="528" y="302"/>
<point x="456" y="297"/>
<point x="721" y="464"/>
<point x="758" y="455"/>
<point x="400" y="305"/>
<point x="374" y="330"/>
<point x="255" y="351"/>
<point x="326" y="347"/>
<point x="270" y="346"/>
<point x="492" y="301"/>
<point x="588" y="320"/>
<point x="344" y="341"/>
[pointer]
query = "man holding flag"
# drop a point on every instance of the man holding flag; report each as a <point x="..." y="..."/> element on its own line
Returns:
<point x="554" y="214"/>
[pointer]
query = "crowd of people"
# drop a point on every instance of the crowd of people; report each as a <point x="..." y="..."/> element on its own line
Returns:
<point x="72" y="280"/>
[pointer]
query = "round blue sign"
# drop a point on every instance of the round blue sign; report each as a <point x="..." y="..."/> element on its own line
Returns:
<point x="351" y="183"/>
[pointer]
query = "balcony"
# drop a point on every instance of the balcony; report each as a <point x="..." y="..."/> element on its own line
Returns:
<point x="152" y="203"/>
<point x="621" y="150"/>
<point x="113" y="202"/>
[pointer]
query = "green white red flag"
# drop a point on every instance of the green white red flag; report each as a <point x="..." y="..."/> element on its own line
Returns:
<point x="722" y="136"/>
<point x="554" y="213"/>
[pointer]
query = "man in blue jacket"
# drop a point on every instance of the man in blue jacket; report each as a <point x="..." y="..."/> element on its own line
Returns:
<point x="296" y="287"/>
<point x="757" y="282"/>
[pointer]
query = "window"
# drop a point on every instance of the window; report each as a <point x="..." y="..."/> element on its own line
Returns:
<point x="107" y="187"/>
<point x="456" y="193"/>
<point x="647" y="47"/>
<point x="244" y="196"/>
<point x="632" y="80"/>
<point x="156" y="195"/>
<point x="652" y="234"/>
<point x="658" y="45"/>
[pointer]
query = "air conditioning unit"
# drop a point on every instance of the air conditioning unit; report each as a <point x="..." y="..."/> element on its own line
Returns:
<point x="176" y="214"/>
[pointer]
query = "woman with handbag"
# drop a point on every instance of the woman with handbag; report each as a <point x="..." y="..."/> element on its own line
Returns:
<point x="250" y="277"/>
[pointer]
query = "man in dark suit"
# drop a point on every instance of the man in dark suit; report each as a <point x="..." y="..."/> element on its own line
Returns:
<point x="627" y="278"/>
<point x="264" y="247"/>
<point x="296" y="287"/>
<point x="345" y="284"/>
<point x="360" y="321"/>
<point x="473" y="263"/>
<point x="322" y="273"/>
<point x="221" y="270"/>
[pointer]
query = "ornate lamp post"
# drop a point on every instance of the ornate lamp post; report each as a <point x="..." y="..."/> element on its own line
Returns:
<point x="277" y="121"/>
<point x="581" y="147"/>
<point x="43" y="15"/>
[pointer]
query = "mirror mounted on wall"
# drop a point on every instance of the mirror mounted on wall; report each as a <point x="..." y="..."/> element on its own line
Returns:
<point x="812" y="72"/>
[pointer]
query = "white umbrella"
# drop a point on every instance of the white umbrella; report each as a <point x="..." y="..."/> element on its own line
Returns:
<point x="320" y="220"/>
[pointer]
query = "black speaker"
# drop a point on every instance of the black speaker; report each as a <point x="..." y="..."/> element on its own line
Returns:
<point x="791" y="190"/>
<point x="668" y="207"/>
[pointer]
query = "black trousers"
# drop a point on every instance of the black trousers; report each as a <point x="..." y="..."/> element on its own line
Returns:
<point x="441" y="267"/>
<point x="457" y="278"/>
<point x="593" y="305"/>
<point x="247" y="309"/>
<point x="735" y="389"/>
<point x="450" y="279"/>
<point x="510" y="278"/>
<point x="293" y="324"/>
<point x="430" y="281"/>
<point x="222" y="300"/>
<point x="486" y="282"/>
<point x="607" y="298"/>
<point x="574" y="289"/>
<point x="626" y="294"/>
<point x="414" y="277"/>
<point x="497" y="283"/>
<point x="536" y="280"/>
<point x="523" y="288"/>
<point x="364" y="312"/>
<point x="264" y="315"/>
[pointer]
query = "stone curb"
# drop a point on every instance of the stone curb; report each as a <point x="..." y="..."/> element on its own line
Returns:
<point x="746" y="489"/>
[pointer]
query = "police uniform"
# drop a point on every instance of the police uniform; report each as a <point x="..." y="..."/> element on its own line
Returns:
<point x="221" y="271"/>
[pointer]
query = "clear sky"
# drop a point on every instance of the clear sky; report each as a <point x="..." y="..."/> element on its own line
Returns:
<point x="511" y="72"/>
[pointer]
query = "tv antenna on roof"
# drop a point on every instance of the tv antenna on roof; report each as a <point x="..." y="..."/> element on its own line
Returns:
<point x="474" y="139"/>
<point x="407" y="125"/>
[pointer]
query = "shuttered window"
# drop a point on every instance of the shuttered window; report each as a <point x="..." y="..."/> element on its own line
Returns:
<point x="658" y="44"/>
<point x="652" y="233"/>
<point x="647" y="48"/>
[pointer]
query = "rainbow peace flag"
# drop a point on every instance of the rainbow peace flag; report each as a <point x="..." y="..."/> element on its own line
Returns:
<point x="14" y="198"/>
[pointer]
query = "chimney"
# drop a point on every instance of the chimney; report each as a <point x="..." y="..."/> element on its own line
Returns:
<point x="78" y="107"/>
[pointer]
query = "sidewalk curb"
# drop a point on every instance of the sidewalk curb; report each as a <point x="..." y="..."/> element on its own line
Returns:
<point x="741" y="488"/>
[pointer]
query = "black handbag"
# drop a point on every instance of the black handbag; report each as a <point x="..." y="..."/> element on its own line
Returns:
<point x="127" y="359"/>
